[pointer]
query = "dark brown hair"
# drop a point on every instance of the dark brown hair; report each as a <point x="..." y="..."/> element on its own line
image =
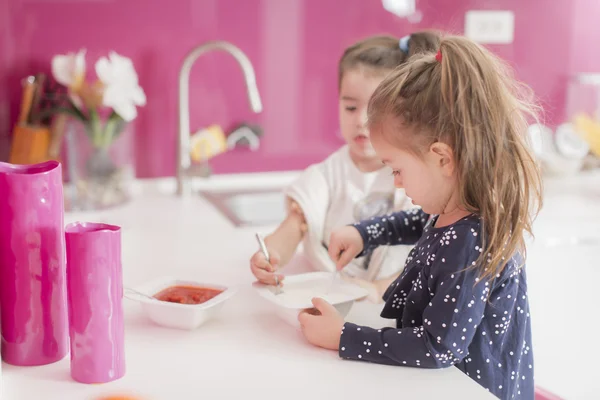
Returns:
<point x="383" y="53"/>
<point x="467" y="98"/>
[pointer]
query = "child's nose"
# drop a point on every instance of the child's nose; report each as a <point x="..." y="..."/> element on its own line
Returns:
<point x="363" y="116"/>
<point x="361" y="124"/>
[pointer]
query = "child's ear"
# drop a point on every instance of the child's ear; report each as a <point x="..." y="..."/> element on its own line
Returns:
<point x="443" y="157"/>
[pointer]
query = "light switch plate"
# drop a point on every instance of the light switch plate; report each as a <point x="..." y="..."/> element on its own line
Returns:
<point x="490" y="27"/>
<point x="400" y="8"/>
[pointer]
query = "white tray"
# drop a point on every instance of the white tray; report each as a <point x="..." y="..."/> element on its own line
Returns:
<point x="298" y="291"/>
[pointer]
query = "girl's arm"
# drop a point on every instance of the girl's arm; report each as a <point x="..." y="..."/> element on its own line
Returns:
<point x="402" y="227"/>
<point x="288" y="235"/>
<point x="449" y="321"/>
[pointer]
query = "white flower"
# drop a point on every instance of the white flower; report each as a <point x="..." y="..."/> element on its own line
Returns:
<point x="121" y="90"/>
<point x="69" y="69"/>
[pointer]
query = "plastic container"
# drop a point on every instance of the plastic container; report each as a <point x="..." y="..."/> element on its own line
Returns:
<point x="174" y="315"/>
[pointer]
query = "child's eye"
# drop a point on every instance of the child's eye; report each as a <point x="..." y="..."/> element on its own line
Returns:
<point x="351" y="109"/>
<point x="395" y="172"/>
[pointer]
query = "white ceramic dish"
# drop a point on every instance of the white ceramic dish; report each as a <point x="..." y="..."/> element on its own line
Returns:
<point x="299" y="290"/>
<point x="179" y="316"/>
<point x="559" y="154"/>
<point x="569" y="143"/>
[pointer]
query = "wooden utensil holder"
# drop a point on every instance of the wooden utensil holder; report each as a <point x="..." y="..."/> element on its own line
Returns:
<point x="29" y="144"/>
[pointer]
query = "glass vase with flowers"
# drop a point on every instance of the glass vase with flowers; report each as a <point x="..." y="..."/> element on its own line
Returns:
<point x="100" y="157"/>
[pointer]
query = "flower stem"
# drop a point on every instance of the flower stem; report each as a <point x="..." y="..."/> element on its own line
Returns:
<point x="103" y="135"/>
<point x="76" y="110"/>
<point x="119" y="125"/>
<point x="109" y="130"/>
<point x="95" y="129"/>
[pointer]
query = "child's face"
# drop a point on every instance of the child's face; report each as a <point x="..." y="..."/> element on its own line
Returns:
<point x="429" y="180"/>
<point x="356" y="89"/>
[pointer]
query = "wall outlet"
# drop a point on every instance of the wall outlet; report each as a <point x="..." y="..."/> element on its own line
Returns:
<point x="400" y="8"/>
<point x="490" y="27"/>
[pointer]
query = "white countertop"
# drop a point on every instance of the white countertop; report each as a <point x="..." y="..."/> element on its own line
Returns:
<point x="563" y="275"/>
<point x="247" y="351"/>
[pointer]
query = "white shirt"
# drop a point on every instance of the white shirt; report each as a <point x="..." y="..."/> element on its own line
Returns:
<point x="348" y="189"/>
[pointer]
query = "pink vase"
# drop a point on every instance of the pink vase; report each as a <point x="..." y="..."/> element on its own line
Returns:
<point x="33" y="300"/>
<point x="95" y="294"/>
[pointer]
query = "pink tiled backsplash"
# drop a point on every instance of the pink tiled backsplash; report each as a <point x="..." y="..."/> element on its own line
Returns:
<point x="294" y="46"/>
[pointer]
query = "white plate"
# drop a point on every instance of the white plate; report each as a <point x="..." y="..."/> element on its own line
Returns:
<point x="299" y="290"/>
<point x="179" y="316"/>
<point x="542" y="140"/>
<point x="569" y="143"/>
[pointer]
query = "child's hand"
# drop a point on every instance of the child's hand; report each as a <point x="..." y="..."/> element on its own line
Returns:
<point x="323" y="326"/>
<point x="265" y="271"/>
<point x="344" y="245"/>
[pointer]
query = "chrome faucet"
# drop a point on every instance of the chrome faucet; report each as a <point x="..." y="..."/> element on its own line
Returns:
<point x="184" y="164"/>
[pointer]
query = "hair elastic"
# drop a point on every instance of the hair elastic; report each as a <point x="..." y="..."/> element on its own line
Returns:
<point x="438" y="56"/>
<point x="404" y="44"/>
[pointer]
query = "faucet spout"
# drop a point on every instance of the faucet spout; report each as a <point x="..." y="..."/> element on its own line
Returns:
<point x="183" y="149"/>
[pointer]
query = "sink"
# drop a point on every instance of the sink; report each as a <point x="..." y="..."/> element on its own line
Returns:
<point x="250" y="207"/>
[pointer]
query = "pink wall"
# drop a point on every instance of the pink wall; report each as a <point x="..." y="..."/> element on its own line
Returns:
<point x="584" y="56"/>
<point x="293" y="44"/>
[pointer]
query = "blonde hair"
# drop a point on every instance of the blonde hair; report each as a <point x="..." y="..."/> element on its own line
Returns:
<point x="466" y="97"/>
<point x="383" y="53"/>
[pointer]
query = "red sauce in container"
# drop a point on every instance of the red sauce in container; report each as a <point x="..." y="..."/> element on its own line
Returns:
<point x="187" y="294"/>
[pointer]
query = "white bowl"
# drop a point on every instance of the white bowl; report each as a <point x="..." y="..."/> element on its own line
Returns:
<point x="299" y="290"/>
<point x="179" y="316"/>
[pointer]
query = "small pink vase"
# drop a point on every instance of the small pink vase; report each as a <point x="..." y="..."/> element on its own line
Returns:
<point x="33" y="298"/>
<point x="95" y="296"/>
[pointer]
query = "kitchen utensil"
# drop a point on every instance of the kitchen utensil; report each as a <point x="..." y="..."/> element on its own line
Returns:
<point x="29" y="142"/>
<point x="38" y="93"/>
<point x="333" y="276"/>
<point x="27" y="99"/>
<point x="263" y="248"/>
<point x="56" y="136"/>
<point x="335" y="273"/>
<point x="129" y="292"/>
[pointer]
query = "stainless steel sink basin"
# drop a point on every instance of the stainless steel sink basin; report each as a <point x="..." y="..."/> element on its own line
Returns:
<point x="249" y="207"/>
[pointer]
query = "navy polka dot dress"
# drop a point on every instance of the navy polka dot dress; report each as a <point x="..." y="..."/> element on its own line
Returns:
<point x="445" y="314"/>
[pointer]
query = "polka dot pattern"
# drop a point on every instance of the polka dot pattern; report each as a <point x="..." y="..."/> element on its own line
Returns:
<point x="445" y="314"/>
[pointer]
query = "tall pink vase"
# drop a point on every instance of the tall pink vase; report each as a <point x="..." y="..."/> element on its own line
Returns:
<point x="33" y="295"/>
<point x="95" y="293"/>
